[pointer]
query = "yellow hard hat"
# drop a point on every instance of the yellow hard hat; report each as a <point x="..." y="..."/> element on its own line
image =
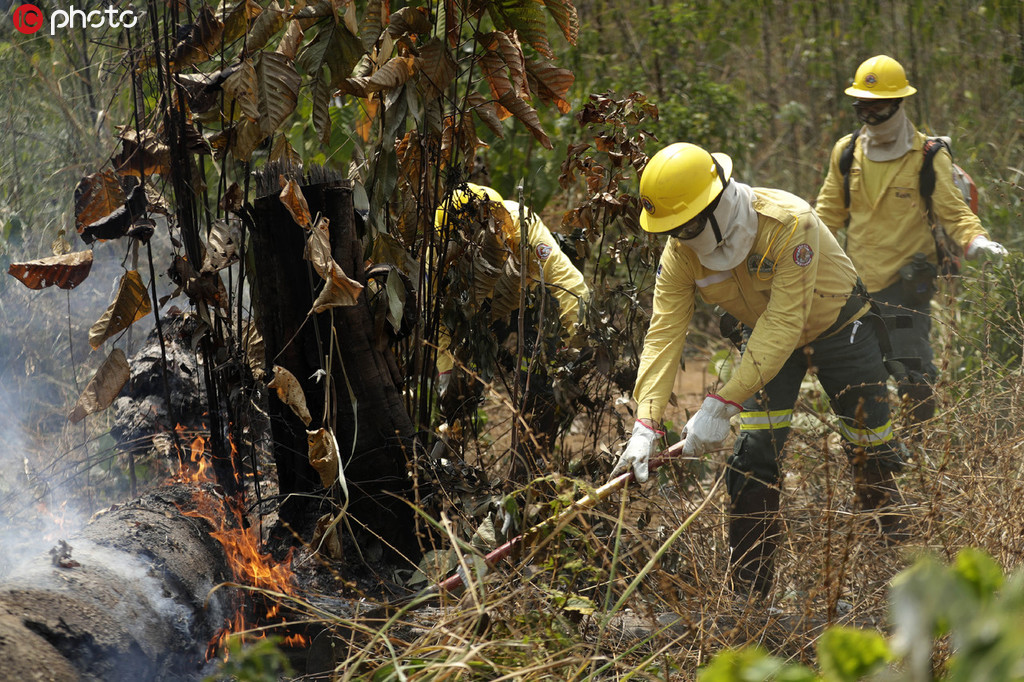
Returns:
<point x="880" y="77"/>
<point x="678" y="183"/>
<point x="460" y="197"/>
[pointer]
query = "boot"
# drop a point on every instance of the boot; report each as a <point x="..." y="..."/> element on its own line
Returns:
<point x="875" y="489"/>
<point x="753" y="539"/>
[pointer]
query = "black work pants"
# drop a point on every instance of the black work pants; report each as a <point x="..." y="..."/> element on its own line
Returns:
<point x="849" y="366"/>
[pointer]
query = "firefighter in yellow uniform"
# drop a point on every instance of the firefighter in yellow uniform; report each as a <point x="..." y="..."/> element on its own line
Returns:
<point x="545" y="262"/>
<point x="878" y="199"/>
<point x="765" y="257"/>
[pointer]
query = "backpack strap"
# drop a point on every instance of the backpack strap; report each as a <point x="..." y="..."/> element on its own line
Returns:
<point x="845" y="162"/>
<point x="932" y="145"/>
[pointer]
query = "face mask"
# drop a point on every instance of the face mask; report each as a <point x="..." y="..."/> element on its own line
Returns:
<point x="729" y="235"/>
<point x="872" y="112"/>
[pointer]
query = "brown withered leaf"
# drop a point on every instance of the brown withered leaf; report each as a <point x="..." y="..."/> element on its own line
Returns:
<point x="437" y="69"/>
<point x="243" y="90"/>
<point x="97" y="196"/>
<point x="130" y="304"/>
<point x="326" y="540"/>
<point x="201" y="43"/>
<point x="323" y="455"/>
<point x="564" y="14"/>
<point x="504" y="53"/>
<point x="267" y="24"/>
<point x="292" y="198"/>
<point x="66" y="271"/>
<point x="322" y="92"/>
<point x="118" y="223"/>
<point x="142" y="153"/>
<point x="284" y="152"/>
<point x="340" y="290"/>
<point x="411" y="21"/>
<point x="233" y="199"/>
<point x="527" y="115"/>
<point x="278" y="90"/>
<point x="239" y="18"/>
<point x="221" y="245"/>
<point x="200" y="287"/>
<point x="392" y="75"/>
<point x="101" y="390"/>
<point x="254" y="348"/>
<point x="551" y="83"/>
<point x="290" y="41"/>
<point x="289" y="391"/>
<point x="485" y="110"/>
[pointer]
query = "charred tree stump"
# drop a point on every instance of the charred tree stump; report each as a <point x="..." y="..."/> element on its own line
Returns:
<point x="373" y="427"/>
<point x="128" y="598"/>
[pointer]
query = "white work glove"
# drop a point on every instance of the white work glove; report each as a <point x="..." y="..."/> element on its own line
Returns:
<point x="638" y="451"/>
<point x="982" y="247"/>
<point x="709" y="427"/>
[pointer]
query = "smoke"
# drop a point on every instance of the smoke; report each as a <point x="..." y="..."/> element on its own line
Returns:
<point x="46" y="467"/>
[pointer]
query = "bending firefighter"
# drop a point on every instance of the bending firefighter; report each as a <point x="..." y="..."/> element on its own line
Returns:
<point x="876" y="187"/>
<point x="491" y="298"/>
<point x="764" y="257"/>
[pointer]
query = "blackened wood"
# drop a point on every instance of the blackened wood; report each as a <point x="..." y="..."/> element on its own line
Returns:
<point x="373" y="431"/>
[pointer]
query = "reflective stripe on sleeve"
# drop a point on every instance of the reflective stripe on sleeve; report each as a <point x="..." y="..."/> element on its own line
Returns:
<point x="761" y="421"/>
<point x="867" y="437"/>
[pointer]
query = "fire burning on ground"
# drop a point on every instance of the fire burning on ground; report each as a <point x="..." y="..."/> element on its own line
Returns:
<point x="257" y="572"/>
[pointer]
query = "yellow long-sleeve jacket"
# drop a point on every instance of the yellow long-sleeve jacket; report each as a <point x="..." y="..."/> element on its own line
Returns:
<point x="888" y="219"/>
<point x="789" y="289"/>
<point x="545" y="262"/>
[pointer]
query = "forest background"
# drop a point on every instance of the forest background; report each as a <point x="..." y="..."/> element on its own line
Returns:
<point x="760" y="81"/>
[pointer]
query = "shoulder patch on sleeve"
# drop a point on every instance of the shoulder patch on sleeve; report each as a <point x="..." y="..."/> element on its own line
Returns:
<point x="803" y="254"/>
<point x="543" y="251"/>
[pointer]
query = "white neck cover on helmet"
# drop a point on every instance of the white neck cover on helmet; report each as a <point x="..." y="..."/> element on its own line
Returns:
<point x="737" y="221"/>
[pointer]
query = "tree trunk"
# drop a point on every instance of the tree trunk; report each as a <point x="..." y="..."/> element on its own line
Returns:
<point x="369" y="418"/>
<point x="128" y="598"/>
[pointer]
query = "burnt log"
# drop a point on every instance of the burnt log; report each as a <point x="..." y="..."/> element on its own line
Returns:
<point x="374" y="430"/>
<point x="127" y="598"/>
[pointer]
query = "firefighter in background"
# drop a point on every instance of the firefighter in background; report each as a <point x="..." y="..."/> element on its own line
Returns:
<point x="764" y="257"/>
<point x="879" y="201"/>
<point x="498" y="290"/>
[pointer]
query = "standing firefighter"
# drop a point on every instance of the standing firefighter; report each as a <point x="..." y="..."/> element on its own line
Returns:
<point x="875" y="187"/>
<point x="765" y="258"/>
<point x="488" y="272"/>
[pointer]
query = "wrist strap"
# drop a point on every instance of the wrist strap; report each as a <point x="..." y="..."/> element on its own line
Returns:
<point x="652" y="428"/>
<point x="723" y="400"/>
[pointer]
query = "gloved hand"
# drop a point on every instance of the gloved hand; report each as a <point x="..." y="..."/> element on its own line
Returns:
<point x="709" y="427"/>
<point x="444" y="380"/>
<point x="638" y="451"/>
<point x="982" y="247"/>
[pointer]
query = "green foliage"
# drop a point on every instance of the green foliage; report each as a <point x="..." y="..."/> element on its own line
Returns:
<point x="262" y="661"/>
<point x="969" y="602"/>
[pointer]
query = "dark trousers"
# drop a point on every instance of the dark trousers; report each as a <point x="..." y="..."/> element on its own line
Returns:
<point x="910" y="327"/>
<point x="849" y="366"/>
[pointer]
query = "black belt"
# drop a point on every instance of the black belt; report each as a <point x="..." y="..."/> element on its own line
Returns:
<point x="855" y="303"/>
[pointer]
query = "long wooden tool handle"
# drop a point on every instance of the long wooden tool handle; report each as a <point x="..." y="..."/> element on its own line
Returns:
<point x="457" y="580"/>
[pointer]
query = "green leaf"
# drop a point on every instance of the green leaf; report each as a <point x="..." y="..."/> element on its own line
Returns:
<point x="848" y="654"/>
<point x="752" y="664"/>
<point x="979" y="571"/>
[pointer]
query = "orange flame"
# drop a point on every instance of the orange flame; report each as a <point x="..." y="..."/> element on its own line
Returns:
<point x="242" y="548"/>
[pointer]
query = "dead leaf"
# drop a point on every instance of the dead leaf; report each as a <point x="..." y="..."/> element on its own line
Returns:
<point x="97" y="196"/>
<point x="326" y="538"/>
<point x="117" y="224"/>
<point x="289" y="391"/>
<point x="202" y="42"/>
<point x="293" y="200"/>
<point x="108" y="381"/>
<point x="241" y="87"/>
<point x="131" y="304"/>
<point x="66" y="271"/>
<point x="340" y="289"/>
<point x="222" y="246"/>
<point x="201" y="287"/>
<point x="255" y="355"/>
<point x="323" y="455"/>
<point x="142" y="153"/>
<point x="284" y="152"/>
<point x="289" y="45"/>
